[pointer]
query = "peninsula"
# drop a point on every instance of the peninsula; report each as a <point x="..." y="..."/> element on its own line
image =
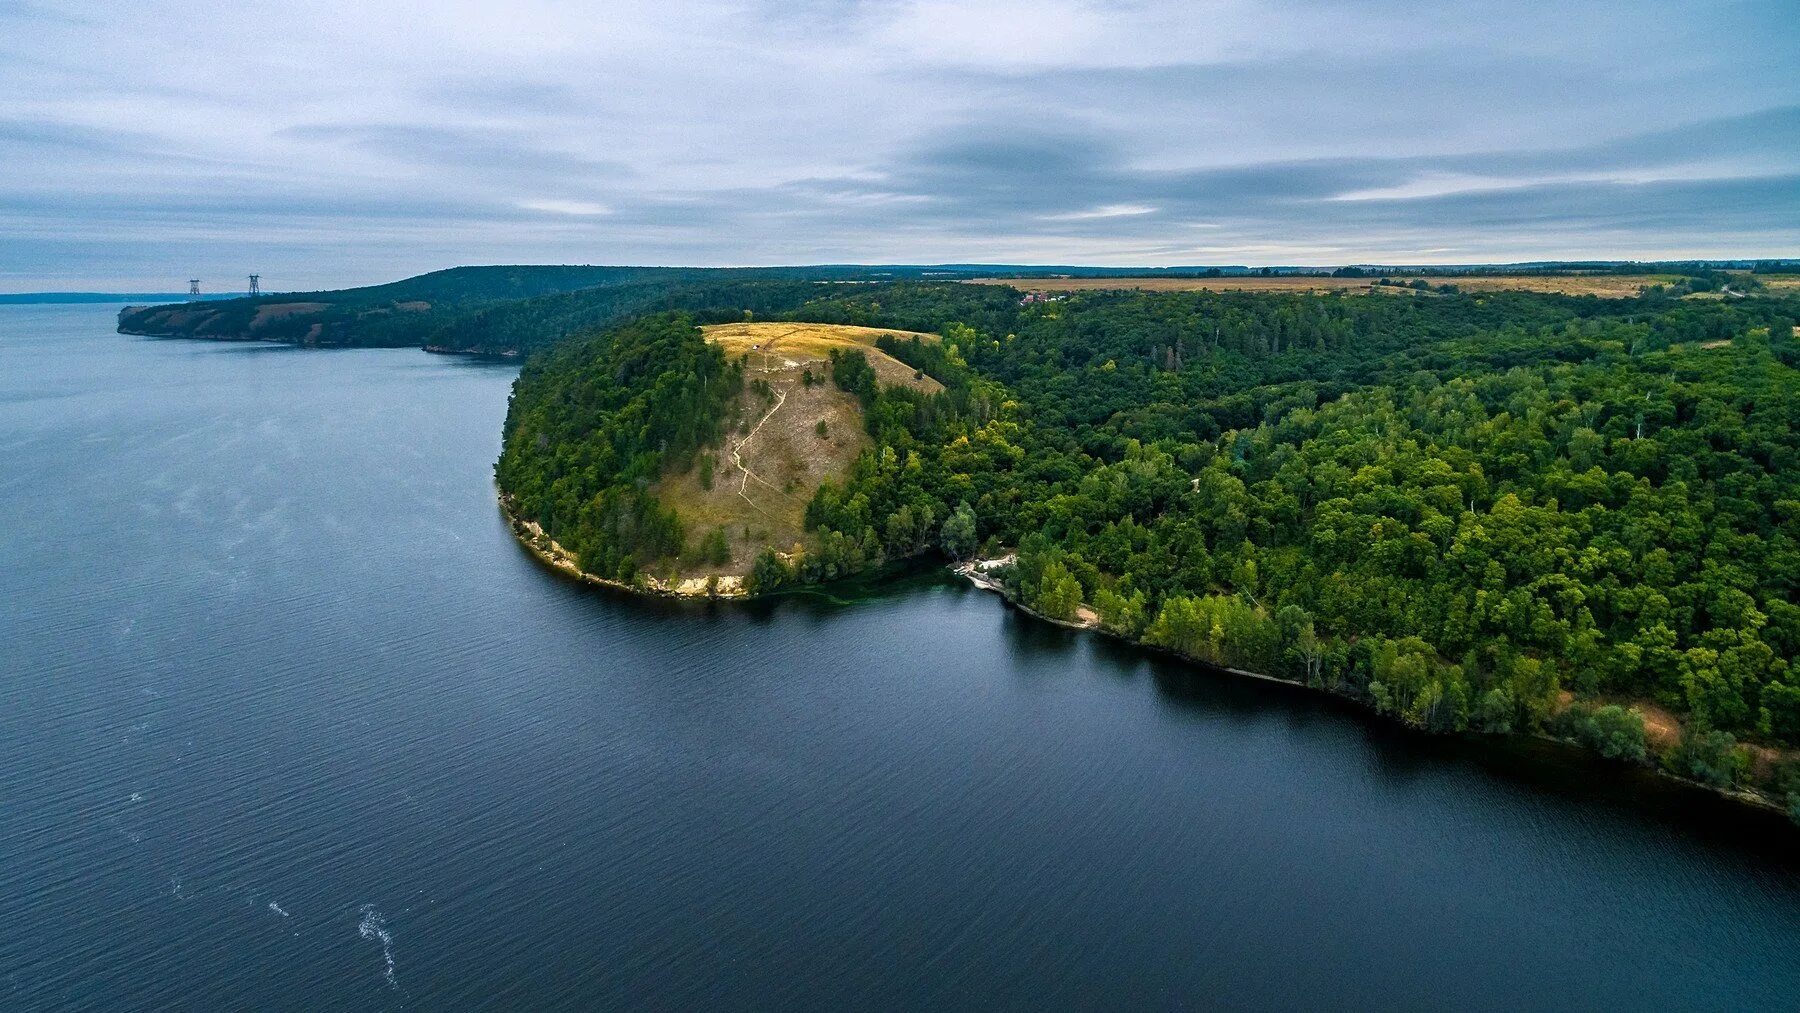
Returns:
<point x="1493" y="510"/>
<point x="1558" y="501"/>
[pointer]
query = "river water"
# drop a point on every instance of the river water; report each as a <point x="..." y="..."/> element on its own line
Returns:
<point x="290" y="721"/>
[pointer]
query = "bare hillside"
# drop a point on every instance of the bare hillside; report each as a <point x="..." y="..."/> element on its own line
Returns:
<point x="792" y="430"/>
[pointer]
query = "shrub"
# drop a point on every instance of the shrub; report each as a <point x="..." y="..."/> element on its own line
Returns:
<point x="1708" y="756"/>
<point x="1612" y="731"/>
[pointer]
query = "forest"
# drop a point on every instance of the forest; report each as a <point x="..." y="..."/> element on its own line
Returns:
<point x="1507" y="512"/>
<point x="398" y="314"/>
<point x="508" y="311"/>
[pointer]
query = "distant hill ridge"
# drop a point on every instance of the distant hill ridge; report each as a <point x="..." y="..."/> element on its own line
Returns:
<point x="512" y="310"/>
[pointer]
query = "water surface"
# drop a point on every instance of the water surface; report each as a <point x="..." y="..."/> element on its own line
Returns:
<point x="289" y="721"/>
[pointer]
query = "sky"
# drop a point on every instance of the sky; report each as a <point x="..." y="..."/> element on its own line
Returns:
<point x="325" y="144"/>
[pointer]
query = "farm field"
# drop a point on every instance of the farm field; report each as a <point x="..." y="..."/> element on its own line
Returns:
<point x="1603" y="285"/>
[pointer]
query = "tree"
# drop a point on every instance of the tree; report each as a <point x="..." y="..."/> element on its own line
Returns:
<point x="767" y="573"/>
<point x="1612" y="731"/>
<point x="1122" y="614"/>
<point x="958" y="536"/>
<point x="716" y="548"/>
<point x="1709" y="756"/>
<point x="1059" y="593"/>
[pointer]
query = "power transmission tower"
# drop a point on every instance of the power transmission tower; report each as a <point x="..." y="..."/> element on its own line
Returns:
<point x="193" y="288"/>
<point x="255" y="287"/>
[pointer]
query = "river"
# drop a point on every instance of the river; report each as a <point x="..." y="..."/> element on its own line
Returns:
<point x="290" y="721"/>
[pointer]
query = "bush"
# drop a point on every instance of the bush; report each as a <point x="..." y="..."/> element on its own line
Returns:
<point x="1612" y="731"/>
<point x="1708" y="756"/>
<point x="1498" y="708"/>
<point x="768" y="573"/>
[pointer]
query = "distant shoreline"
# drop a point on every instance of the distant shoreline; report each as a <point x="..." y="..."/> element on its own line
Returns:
<point x="66" y="298"/>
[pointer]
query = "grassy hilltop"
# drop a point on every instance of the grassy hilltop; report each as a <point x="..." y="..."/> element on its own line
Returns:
<point x="790" y="430"/>
<point x="720" y="486"/>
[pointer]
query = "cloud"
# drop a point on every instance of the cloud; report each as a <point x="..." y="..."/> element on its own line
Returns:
<point x="1104" y="211"/>
<point x="486" y="152"/>
<point x="578" y="208"/>
<point x="361" y="142"/>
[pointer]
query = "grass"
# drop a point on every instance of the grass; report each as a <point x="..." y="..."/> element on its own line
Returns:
<point x="774" y="458"/>
<point x="772" y="347"/>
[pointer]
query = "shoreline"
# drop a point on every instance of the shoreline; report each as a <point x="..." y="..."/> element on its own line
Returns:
<point x="548" y="553"/>
<point x="972" y="571"/>
<point x="511" y="356"/>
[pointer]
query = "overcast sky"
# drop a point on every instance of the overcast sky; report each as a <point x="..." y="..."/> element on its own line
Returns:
<point x="325" y="144"/>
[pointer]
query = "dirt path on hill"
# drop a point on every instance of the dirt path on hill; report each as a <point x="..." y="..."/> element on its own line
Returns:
<point x="737" y="458"/>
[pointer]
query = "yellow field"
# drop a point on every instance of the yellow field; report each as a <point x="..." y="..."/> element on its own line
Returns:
<point x="1607" y="286"/>
<point x="1604" y="285"/>
<point x="780" y="346"/>
<point x="1247" y="283"/>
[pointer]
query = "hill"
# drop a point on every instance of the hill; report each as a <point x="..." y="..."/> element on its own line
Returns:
<point x="394" y="315"/>
<point x="746" y="422"/>
<point x="791" y="429"/>
<point x="498" y="311"/>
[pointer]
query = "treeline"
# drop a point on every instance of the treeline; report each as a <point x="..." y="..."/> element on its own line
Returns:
<point x="501" y="310"/>
<point x="394" y="315"/>
<point x="523" y="326"/>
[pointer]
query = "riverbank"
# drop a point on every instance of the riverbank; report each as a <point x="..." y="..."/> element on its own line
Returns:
<point x="504" y="355"/>
<point x="548" y="552"/>
<point x="977" y="572"/>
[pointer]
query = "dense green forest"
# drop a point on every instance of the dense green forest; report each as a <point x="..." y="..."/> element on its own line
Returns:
<point x="594" y="421"/>
<point x="1500" y="512"/>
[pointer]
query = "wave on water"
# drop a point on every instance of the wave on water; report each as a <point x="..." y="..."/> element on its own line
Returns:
<point x="373" y="926"/>
<point x="277" y="909"/>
